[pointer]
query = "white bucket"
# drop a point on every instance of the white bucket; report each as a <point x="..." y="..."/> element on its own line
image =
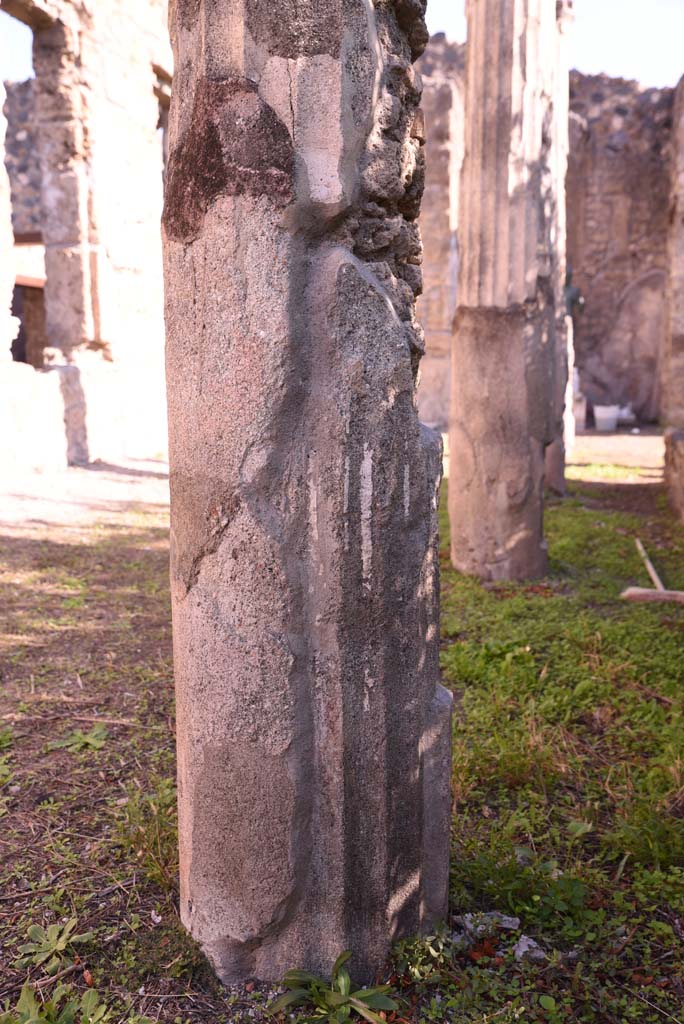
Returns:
<point x="606" y="417"/>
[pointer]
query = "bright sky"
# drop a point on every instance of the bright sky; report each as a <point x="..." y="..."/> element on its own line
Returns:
<point x="642" y="39"/>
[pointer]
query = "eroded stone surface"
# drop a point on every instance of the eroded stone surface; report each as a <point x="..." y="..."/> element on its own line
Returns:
<point x="313" y="739"/>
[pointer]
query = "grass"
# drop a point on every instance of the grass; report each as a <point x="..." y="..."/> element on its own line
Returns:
<point x="568" y="779"/>
<point x="569" y="773"/>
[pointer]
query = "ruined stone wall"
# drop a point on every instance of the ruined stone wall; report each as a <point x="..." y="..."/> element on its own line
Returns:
<point x="21" y="158"/>
<point x="8" y="326"/>
<point x="101" y="162"/>
<point x="443" y="71"/>
<point x="31" y="406"/>
<point x="618" y="191"/>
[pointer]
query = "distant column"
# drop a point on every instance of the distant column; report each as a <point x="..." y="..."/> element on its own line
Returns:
<point x="558" y="92"/>
<point x="313" y="737"/>
<point x="673" y="363"/>
<point x="64" y="149"/>
<point x="443" y="103"/>
<point x="504" y="359"/>
<point x="8" y="324"/>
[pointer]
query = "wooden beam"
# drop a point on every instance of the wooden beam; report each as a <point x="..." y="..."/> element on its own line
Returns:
<point x="650" y="568"/>
<point x="644" y="595"/>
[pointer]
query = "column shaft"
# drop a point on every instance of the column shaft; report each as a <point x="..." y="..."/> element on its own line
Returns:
<point x="504" y="355"/>
<point x="313" y="737"/>
<point x="673" y="362"/>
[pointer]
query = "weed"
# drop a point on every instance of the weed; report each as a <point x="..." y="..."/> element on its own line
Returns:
<point x="47" y="946"/>
<point x="78" y="740"/>
<point x="64" y="1007"/>
<point x="423" y="961"/>
<point x="335" y="1001"/>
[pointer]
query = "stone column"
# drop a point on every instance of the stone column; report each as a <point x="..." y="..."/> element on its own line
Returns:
<point x="313" y="737"/>
<point x="503" y="359"/>
<point x="63" y="146"/>
<point x="443" y="71"/>
<point x="673" y="363"/>
<point x="558" y="112"/>
<point x="8" y="323"/>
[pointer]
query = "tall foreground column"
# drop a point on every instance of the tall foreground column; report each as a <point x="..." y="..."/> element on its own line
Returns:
<point x="313" y="737"/>
<point x="673" y="362"/>
<point x="504" y="359"/>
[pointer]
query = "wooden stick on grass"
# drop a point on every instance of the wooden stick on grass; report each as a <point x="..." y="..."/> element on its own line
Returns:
<point x="644" y="595"/>
<point x="649" y="565"/>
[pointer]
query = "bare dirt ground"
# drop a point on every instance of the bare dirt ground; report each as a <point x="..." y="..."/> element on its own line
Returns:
<point x="640" y="456"/>
<point x="113" y="494"/>
<point x="82" y="497"/>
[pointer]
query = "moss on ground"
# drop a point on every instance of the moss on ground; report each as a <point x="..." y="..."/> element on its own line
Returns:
<point x="568" y="777"/>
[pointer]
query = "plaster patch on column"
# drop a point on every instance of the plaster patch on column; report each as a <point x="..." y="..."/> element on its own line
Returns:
<point x="313" y="507"/>
<point x="318" y="126"/>
<point x="275" y="89"/>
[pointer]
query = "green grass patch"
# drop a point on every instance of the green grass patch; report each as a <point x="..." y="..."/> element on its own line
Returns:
<point x="569" y="773"/>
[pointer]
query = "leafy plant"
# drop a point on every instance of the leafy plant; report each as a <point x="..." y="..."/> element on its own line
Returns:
<point x="48" y="945"/>
<point x="334" y="1002"/>
<point x="423" y="961"/>
<point x="65" y="1007"/>
<point x="78" y="740"/>
<point x="5" y="770"/>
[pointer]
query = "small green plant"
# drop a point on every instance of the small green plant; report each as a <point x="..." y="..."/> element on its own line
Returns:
<point x="423" y="961"/>
<point x="334" y="1002"/>
<point x="64" y="1007"/>
<point x="78" y="740"/>
<point x="5" y="769"/>
<point x="47" y="946"/>
<point x="148" y="829"/>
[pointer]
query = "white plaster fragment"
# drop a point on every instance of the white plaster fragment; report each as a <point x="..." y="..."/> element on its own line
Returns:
<point x="407" y="490"/>
<point x="366" y="489"/>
